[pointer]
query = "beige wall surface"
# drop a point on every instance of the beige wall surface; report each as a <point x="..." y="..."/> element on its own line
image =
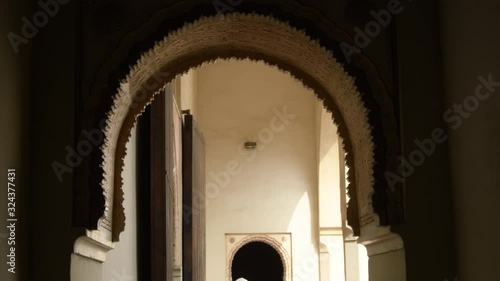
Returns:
<point x="395" y="260"/>
<point x="329" y="172"/>
<point x="121" y="262"/>
<point x="272" y="188"/>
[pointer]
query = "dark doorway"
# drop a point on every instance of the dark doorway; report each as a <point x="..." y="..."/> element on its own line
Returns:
<point x="257" y="261"/>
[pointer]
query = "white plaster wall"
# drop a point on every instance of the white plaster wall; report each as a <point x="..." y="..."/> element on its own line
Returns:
<point x="189" y="88"/>
<point x="84" y="269"/>
<point x="395" y="259"/>
<point x="329" y="179"/>
<point x="121" y="262"/>
<point x="352" y="261"/>
<point x="329" y="161"/>
<point x="363" y="264"/>
<point x="336" y="264"/>
<point x="270" y="189"/>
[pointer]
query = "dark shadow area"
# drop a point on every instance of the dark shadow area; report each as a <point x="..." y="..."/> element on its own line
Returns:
<point x="144" y="195"/>
<point x="257" y="261"/>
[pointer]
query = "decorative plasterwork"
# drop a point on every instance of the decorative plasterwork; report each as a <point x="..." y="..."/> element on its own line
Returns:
<point x="241" y="36"/>
<point x="93" y="246"/>
<point x="378" y="240"/>
<point x="281" y="242"/>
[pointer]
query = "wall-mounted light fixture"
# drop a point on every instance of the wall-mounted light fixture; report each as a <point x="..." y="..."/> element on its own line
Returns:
<point x="250" y="145"/>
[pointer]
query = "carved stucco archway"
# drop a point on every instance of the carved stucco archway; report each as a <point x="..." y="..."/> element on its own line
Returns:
<point x="280" y="242"/>
<point x="236" y="36"/>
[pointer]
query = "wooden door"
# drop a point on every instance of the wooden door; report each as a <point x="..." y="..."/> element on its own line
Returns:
<point x="193" y="161"/>
<point x="162" y="202"/>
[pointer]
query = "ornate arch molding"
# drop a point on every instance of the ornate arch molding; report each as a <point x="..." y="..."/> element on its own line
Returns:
<point x="88" y="197"/>
<point x="242" y="36"/>
<point x="281" y="243"/>
<point x="260" y="38"/>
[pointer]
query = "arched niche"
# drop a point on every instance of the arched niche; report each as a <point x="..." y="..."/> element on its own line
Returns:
<point x="279" y="242"/>
<point x="258" y="259"/>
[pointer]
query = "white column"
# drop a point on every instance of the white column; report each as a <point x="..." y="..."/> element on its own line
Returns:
<point x="330" y="184"/>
